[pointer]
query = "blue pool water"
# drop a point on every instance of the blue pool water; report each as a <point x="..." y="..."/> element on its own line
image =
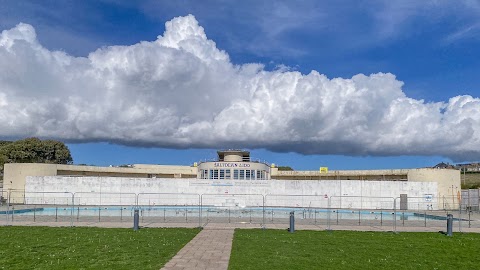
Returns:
<point x="176" y="211"/>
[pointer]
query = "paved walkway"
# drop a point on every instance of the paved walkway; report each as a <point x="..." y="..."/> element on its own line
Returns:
<point x="210" y="249"/>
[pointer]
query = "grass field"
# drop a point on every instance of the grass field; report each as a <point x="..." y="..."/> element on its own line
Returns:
<point x="276" y="249"/>
<point x="89" y="248"/>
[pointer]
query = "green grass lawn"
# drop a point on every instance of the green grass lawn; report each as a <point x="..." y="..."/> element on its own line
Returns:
<point x="276" y="249"/>
<point x="89" y="248"/>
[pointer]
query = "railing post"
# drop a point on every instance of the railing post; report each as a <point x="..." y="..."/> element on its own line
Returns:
<point x="395" y="215"/>
<point x="73" y="209"/>
<point x="263" y="210"/>
<point x="12" y="205"/>
<point x="8" y="207"/>
<point x="135" y="219"/>
<point x="359" y="219"/>
<point x="469" y="220"/>
<point x="329" y="205"/>
<point x="291" y="229"/>
<point x="460" y="217"/>
<point x="425" y="217"/>
<point x="199" y="211"/>
<point x="449" y="225"/>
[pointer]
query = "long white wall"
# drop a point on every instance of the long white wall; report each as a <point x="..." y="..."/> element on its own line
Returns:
<point x="289" y="193"/>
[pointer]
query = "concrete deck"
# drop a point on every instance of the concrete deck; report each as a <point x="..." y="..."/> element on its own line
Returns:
<point x="434" y="227"/>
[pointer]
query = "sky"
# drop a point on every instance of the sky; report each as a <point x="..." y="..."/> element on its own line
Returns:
<point x="342" y="84"/>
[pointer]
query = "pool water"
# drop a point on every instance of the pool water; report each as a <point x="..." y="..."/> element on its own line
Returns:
<point x="213" y="211"/>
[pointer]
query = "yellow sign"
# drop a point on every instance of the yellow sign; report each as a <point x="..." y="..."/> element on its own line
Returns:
<point x="323" y="169"/>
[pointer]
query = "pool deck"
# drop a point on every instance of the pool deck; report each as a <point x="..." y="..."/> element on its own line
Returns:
<point x="278" y="226"/>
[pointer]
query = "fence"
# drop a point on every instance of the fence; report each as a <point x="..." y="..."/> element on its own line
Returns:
<point x="233" y="208"/>
<point x="362" y="211"/>
<point x="3" y="197"/>
<point x="270" y="210"/>
<point x="169" y="208"/>
<point x="106" y="206"/>
<point x="308" y="209"/>
<point x="470" y="199"/>
<point x="24" y="206"/>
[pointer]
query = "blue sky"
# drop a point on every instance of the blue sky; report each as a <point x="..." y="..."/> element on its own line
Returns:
<point x="429" y="46"/>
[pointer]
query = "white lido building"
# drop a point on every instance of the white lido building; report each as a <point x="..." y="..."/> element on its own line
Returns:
<point x="235" y="172"/>
<point x="233" y="165"/>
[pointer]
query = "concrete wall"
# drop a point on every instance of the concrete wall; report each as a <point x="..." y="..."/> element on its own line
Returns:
<point x="332" y="173"/>
<point x="15" y="174"/>
<point x="290" y="193"/>
<point x="449" y="186"/>
<point x="446" y="182"/>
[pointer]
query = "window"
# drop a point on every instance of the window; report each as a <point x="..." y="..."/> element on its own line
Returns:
<point x="235" y="174"/>
<point x="222" y="174"/>
<point x="227" y="174"/>
<point x="242" y="174"/>
<point x="213" y="174"/>
<point x="247" y="174"/>
<point x="204" y="174"/>
<point x="261" y="175"/>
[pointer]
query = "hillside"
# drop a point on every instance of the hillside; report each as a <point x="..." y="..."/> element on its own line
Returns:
<point x="470" y="180"/>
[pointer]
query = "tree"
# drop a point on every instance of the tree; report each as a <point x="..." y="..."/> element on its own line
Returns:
<point x="285" y="168"/>
<point x="56" y="152"/>
<point x="34" y="150"/>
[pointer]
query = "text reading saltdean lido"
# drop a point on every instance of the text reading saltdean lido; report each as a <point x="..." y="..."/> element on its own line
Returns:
<point x="231" y="165"/>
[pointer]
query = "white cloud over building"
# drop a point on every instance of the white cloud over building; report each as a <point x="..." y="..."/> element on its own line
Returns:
<point x="182" y="91"/>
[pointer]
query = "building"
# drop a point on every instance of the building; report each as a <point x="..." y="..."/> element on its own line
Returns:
<point x="235" y="172"/>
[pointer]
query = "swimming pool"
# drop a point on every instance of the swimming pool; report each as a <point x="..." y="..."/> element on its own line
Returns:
<point x="269" y="213"/>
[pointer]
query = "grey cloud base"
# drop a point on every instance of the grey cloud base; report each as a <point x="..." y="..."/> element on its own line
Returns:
<point x="182" y="91"/>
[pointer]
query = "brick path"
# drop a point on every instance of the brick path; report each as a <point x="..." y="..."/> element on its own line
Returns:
<point x="210" y="249"/>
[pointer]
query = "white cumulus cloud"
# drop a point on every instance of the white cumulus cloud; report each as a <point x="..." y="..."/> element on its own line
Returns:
<point x="182" y="91"/>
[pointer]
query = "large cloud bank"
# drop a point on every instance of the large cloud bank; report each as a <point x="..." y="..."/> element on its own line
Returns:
<point x="181" y="91"/>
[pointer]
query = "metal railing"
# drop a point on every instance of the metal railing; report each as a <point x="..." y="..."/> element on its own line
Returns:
<point x="169" y="207"/>
<point x="470" y="200"/>
<point x="269" y="210"/>
<point x="233" y="208"/>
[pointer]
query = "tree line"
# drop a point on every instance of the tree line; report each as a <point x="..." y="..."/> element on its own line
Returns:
<point x="34" y="150"/>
